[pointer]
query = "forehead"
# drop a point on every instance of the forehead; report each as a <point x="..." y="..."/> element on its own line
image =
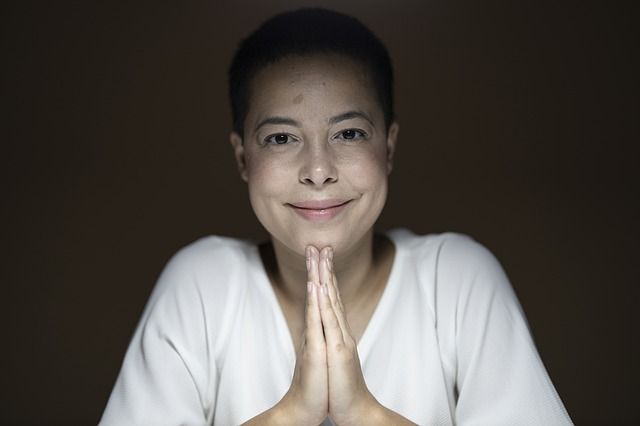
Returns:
<point x="296" y="66"/>
<point x="328" y="80"/>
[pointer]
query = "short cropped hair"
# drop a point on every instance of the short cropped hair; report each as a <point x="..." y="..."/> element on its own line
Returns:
<point x="307" y="32"/>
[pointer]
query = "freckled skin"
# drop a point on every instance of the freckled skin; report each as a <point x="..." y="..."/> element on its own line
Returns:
<point x="318" y="163"/>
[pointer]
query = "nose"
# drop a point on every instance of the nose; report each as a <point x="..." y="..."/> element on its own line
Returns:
<point x="318" y="165"/>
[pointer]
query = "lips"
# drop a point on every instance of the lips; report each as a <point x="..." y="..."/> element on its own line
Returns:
<point x="319" y="204"/>
<point x="319" y="210"/>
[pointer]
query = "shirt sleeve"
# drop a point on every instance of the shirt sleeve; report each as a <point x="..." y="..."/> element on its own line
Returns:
<point x="500" y="378"/>
<point x="166" y="377"/>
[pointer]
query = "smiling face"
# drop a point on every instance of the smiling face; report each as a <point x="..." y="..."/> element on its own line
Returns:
<point x="315" y="154"/>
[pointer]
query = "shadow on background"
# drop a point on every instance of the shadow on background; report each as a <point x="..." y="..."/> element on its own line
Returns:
<point x="515" y="128"/>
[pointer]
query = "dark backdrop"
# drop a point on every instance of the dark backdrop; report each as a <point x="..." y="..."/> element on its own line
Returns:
<point x="516" y="128"/>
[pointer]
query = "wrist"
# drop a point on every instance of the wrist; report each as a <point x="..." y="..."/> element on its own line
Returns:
<point x="278" y="415"/>
<point x="283" y="414"/>
<point x="372" y="412"/>
<point x="287" y="413"/>
<point x="365" y="411"/>
<point x="378" y="414"/>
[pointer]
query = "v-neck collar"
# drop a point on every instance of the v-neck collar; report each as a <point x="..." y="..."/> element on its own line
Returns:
<point x="379" y="312"/>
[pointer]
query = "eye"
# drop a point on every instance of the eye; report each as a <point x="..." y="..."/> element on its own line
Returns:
<point x="278" y="139"/>
<point x="352" y="134"/>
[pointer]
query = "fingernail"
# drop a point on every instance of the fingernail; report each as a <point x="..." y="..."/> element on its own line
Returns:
<point x="309" y="287"/>
<point x="324" y="290"/>
<point x="331" y="254"/>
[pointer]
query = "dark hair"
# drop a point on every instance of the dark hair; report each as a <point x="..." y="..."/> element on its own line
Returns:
<point x="306" y="32"/>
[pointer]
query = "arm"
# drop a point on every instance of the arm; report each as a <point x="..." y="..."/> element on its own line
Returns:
<point x="500" y="377"/>
<point x="276" y="415"/>
<point x="382" y="416"/>
<point x="165" y="377"/>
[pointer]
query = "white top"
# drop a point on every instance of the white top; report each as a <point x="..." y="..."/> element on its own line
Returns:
<point x="447" y="344"/>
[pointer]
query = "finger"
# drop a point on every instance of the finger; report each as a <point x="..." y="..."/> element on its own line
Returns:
<point x="313" y="322"/>
<point x="326" y="279"/>
<point x="334" y="294"/>
<point x="313" y="256"/>
<point x="343" y="311"/>
<point x="332" y="328"/>
<point x="335" y="280"/>
<point x="308" y="265"/>
<point x="338" y="295"/>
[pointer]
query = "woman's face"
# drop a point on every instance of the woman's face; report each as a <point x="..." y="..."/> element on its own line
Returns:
<point x="315" y="153"/>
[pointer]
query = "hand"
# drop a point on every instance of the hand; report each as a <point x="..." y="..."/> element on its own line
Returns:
<point x="349" y="397"/>
<point x="327" y="379"/>
<point x="306" y="401"/>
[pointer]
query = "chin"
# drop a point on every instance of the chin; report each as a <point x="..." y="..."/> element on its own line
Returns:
<point x="343" y="235"/>
<point x="341" y="241"/>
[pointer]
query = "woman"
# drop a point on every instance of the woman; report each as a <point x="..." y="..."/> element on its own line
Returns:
<point x="328" y="322"/>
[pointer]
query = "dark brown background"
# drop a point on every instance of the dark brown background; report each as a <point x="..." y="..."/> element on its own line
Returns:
<point x="516" y="128"/>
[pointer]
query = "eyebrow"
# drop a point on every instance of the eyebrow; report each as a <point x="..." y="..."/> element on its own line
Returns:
<point x="333" y="120"/>
<point x="349" y="115"/>
<point x="277" y="120"/>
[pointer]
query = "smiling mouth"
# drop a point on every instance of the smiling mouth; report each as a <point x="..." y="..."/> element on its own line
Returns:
<point x="319" y="211"/>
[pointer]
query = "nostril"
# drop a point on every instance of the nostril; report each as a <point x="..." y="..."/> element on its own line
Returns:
<point x="318" y="171"/>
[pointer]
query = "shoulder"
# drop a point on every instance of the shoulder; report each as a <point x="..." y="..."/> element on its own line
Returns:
<point x="448" y="249"/>
<point x="453" y="262"/>
<point x="208" y="268"/>
<point x="210" y="255"/>
<point x="212" y="249"/>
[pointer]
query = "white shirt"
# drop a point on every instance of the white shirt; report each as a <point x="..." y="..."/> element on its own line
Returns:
<point x="447" y="344"/>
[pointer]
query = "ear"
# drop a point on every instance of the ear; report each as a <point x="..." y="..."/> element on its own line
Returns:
<point x="392" y="138"/>
<point x="239" y="154"/>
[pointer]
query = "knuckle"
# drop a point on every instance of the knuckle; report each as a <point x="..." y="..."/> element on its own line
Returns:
<point x="341" y="349"/>
<point x="346" y="350"/>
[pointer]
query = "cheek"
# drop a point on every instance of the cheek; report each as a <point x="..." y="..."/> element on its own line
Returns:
<point x="267" y="178"/>
<point x="367" y="171"/>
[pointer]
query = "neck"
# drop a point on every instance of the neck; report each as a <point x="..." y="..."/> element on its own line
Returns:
<point x="355" y="270"/>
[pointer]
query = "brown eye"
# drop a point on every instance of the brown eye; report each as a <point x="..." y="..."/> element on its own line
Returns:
<point x="352" y="134"/>
<point x="278" y="139"/>
<point x="349" y="134"/>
